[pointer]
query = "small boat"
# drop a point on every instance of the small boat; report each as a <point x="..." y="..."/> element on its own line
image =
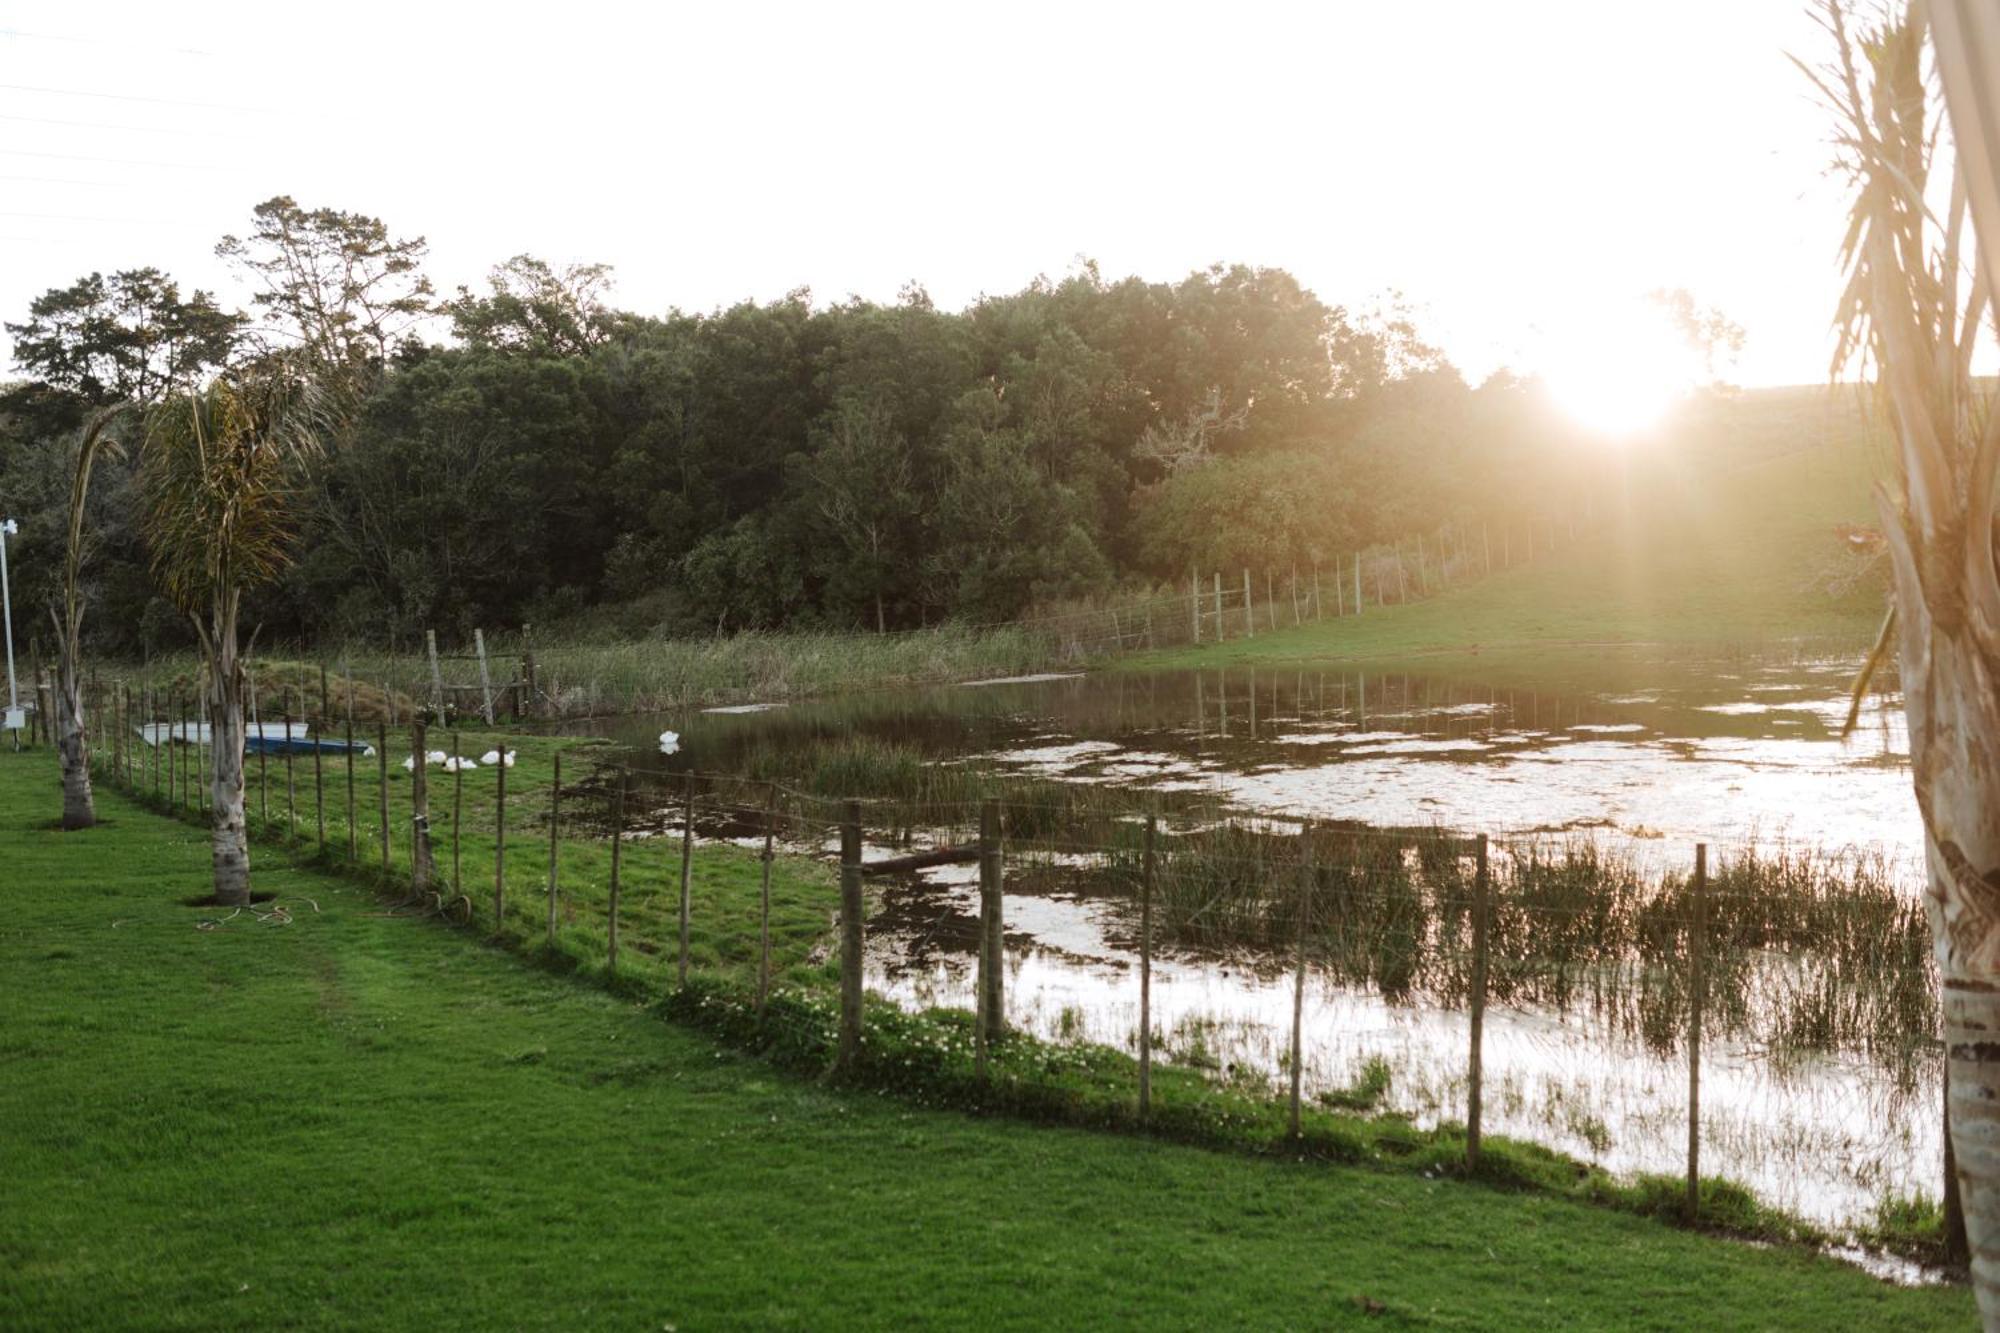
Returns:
<point x="258" y="738"/>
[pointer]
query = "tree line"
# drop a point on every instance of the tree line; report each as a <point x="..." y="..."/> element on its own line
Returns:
<point x="529" y="452"/>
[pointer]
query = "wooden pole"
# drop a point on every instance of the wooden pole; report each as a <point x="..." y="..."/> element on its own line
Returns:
<point x="1270" y="599"/>
<point x="485" y="676"/>
<point x="851" y="941"/>
<point x="422" y="865"/>
<point x="1697" y="986"/>
<point x="437" y="676"/>
<point x="319" y="779"/>
<point x="1358" y="602"/>
<point x="555" y="843"/>
<point x="263" y="756"/>
<point x="1475" y="1073"/>
<point x="1249" y="608"/>
<point x="382" y="773"/>
<point x="353" y="845"/>
<point x="500" y="842"/>
<point x="1146" y="873"/>
<point x="1297" y="618"/>
<point x="992" y="925"/>
<point x="687" y="869"/>
<point x="764" y="903"/>
<point x="1299" y="974"/>
<point x="291" y="776"/>
<point x="457" y="813"/>
<point x="1194" y="598"/>
<point x="617" y="842"/>
<point x="1219" y="636"/>
<point x="1319" y="610"/>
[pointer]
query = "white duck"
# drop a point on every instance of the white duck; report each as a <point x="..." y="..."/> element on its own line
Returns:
<point x="436" y="757"/>
<point x="670" y="742"/>
<point x="410" y="764"/>
<point x="494" y="757"/>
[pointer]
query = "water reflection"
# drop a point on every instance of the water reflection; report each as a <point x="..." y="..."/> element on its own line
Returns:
<point x="1650" y="753"/>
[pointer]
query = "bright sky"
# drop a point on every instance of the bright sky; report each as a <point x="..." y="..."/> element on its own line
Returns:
<point x="1522" y="172"/>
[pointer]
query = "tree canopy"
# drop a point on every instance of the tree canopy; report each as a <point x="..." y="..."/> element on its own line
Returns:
<point x="531" y="452"/>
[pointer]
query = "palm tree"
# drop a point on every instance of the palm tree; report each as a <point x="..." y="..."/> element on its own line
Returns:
<point x="72" y="738"/>
<point x="218" y="477"/>
<point x="1917" y="297"/>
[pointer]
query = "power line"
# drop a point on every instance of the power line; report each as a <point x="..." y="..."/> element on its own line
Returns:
<point x="109" y="125"/>
<point x="65" y="180"/>
<point x="20" y="33"/>
<point x="114" y="161"/>
<point x="129" y="97"/>
<point x="88" y="217"/>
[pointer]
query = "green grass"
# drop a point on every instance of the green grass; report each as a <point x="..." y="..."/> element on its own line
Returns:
<point x="1723" y="539"/>
<point x="360" y="1119"/>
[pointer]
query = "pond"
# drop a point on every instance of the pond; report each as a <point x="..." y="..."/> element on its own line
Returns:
<point x="1644" y="753"/>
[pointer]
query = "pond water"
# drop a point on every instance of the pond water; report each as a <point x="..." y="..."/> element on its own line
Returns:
<point x="1647" y="752"/>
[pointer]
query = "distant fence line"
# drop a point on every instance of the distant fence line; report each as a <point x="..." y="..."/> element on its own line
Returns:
<point x="515" y="676"/>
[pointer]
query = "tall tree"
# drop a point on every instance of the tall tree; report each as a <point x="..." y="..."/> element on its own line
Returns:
<point x="535" y="307"/>
<point x="335" y="284"/>
<point x="219" y="480"/>
<point x="129" y="337"/>
<point x="858" y="480"/>
<point x="1911" y="310"/>
<point x="72" y="737"/>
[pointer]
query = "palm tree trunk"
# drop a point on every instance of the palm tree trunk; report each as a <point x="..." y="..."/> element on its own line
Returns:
<point x="228" y="832"/>
<point x="73" y="745"/>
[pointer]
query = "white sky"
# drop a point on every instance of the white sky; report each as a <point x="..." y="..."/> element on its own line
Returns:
<point x="1513" y="168"/>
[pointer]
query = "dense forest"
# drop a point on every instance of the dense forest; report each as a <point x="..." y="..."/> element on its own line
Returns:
<point x="530" y="453"/>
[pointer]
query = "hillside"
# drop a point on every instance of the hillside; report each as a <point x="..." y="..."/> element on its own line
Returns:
<point x="1723" y="532"/>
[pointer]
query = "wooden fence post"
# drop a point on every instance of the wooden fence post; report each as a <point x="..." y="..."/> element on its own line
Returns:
<point x="764" y="903"/>
<point x="316" y="733"/>
<point x="500" y="842"/>
<point x="1319" y="611"/>
<point x="291" y="776"/>
<point x="617" y="842"/>
<point x="1475" y="1073"/>
<point x="992" y="926"/>
<point x="457" y="814"/>
<point x="1270" y="599"/>
<point x="1194" y="597"/>
<point x="485" y="675"/>
<point x="437" y="676"/>
<point x="1219" y="635"/>
<point x="382" y="772"/>
<point x="850" y="937"/>
<point x="1299" y="974"/>
<point x="1249" y="608"/>
<point x="1697" y="986"/>
<point x="422" y="866"/>
<point x="1297" y="618"/>
<point x="263" y="755"/>
<point x="1358" y="601"/>
<point x="353" y="846"/>
<point x="555" y="827"/>
<point x="1146" y="873"/>
<point x="687" y="870"/>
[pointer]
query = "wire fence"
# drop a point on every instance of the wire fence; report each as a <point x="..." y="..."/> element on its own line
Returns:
<point x="1309" y="962"/>
<point x="516" y="675"/>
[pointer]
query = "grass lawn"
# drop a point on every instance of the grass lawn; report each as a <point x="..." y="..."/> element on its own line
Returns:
<point x="363" y="1119"/>
<point x="1704" y="549"/>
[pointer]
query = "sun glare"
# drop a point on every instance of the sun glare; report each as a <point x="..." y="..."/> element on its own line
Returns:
<point x="1618" y="375"/>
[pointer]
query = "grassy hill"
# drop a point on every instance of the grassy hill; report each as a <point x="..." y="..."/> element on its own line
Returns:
<point x="359" y="1119"/>
<point x="1723" y="532"/>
